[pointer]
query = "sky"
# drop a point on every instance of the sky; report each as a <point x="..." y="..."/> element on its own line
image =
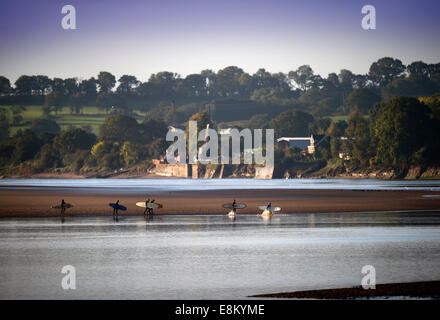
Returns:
<point x="186" y="36"/>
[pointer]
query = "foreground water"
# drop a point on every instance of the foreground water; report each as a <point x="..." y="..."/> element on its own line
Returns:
<point x="149" y="185"/>
<point x="213" y="257"/>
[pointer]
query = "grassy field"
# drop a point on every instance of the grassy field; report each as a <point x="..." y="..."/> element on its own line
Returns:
<point x="345" y="118"/>
<point x="338" y="118"/>
<point x="91" y="117"/>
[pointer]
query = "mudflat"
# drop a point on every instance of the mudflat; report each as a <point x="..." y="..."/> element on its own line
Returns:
<point x="94" y="201"/>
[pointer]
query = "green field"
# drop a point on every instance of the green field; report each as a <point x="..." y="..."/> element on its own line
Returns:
<point x="345" y="118"/>
<point x="90" y="116"/>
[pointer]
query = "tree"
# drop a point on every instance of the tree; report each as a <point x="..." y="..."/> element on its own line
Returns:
<point x="72" y="140"/>
<point x="127" y="84"/>
<point x="45" y="125"/>
<point x="333" y="79"/>
<point x="194" y="85"/>
<point x="346" y="80"/>
<point x="106" y="82"/>
<point x="152" y="129"/>
<point x="302" y="76"/>
<point x="320" y="125"/>
<point x="433" y="103"/>
<point x="362" y="99"/>
<point x="414" y="86"/>
<point x="292" y="123"/>
<point x="71" y="86"/>
<point x="76" y="102"/>
<point x="418" y="68"/>
<point x="4" y="126"/>
<point x="129" y="153"/>
<point x="210" y="78"/>
<point x="401" y="127"/>
<point x="47" y="158"/>
<point x="258" y="121"/>
<point x="157" y="148"/>
<point x="104" y="101"/>
<point x="119" y="128"/>
<point x="88" y="89"/>
<point x="5" y="85"/>
<point x="26" y="85"/>
<point x="163" y="84"/>
<point x="17" y="111"/>
<point x="335" y="131"/>
<point x="54" y="101"/>
<point x="202" y="119"/>
<point x="43" y="83"/>
<point x="26" y="146"/>
<point x="385" y="70"/>
<point x="269" y="96"/>
<point x="358" y="133"/>
<point x="227" y="81"/>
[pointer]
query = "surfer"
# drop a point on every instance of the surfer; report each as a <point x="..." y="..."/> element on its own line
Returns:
<point x="115" y="210"/>
<point x="269" y="205"/>
<point x="63" y="207"/>
<point x="234" y="206"/>
<point x="151" y="209"/>
<point x="146" y="206"/>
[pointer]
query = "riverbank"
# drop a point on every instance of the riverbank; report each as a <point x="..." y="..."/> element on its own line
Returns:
<point x="426" y="289"/>
<point x="243" y="172"/>
<point x="36" y="201"/>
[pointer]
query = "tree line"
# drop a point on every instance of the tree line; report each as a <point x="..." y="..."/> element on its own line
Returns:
<point x="300" y="88"/>
<point x="122" y="142"/>
<point x="399" y="132"/>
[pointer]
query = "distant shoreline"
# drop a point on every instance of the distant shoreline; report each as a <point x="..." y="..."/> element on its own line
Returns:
<point x="36" y="201"/>
<point x="151" y="175"/>
<point x="425" y="289"/>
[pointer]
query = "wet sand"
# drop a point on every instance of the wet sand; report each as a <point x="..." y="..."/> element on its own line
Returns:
<point x="94" y="201"/>
<point x="427" y="289"/>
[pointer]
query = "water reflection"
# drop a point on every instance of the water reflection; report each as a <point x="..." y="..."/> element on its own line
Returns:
<point x="203" y="257"/>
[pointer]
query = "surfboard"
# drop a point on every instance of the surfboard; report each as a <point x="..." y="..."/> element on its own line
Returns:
<point x="67" y="205"/>
<point x="120" y="206"/>
<point x="153" y="205"/>
<point x="237" y="206"/>
<point x="270" y="208"/>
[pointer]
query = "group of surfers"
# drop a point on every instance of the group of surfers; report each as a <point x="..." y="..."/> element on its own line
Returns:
<point x="148" y="209"/>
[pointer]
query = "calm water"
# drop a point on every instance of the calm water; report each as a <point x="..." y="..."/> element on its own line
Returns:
<point x="224" y="184"/>
<point x="212" y="257"/>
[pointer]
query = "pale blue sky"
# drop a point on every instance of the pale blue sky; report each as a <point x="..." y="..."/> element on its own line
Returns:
<point x="187" y="36"/>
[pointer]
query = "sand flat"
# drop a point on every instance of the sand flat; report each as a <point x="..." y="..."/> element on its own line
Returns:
<point x="94" y="201"/>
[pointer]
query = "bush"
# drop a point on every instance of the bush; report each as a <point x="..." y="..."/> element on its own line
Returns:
<point x="109" y="161"/>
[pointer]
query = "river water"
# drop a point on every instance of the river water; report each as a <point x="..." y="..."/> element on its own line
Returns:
<point x="223" y="184"/>
<point x="213" y="257"/>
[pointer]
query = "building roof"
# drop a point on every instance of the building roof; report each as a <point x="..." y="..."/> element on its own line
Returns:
<point x="301" y="142"/>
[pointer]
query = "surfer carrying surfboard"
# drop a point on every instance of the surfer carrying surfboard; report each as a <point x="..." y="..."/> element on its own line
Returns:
<point x="234" y="207"/>
<point x="149" y="206"/>
<point x="63" y="207"/>
<point x="115" y="210"/>
<point x="150" y="210"/>
<point x="146" y="206"/>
